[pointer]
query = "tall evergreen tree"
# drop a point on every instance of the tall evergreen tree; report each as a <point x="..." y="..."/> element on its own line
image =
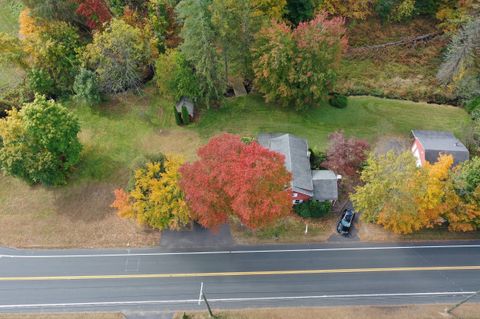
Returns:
<point x="198" y="46"/>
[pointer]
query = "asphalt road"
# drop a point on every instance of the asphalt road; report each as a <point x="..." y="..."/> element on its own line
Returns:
<point x="249" y="277"/>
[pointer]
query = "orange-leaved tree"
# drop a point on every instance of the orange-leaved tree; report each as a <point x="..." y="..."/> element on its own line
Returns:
<point x="232" y="178"/>
<point x="432" y="199"/>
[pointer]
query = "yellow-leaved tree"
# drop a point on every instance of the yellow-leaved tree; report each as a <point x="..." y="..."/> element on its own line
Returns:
<point x="432" y="200"/>
<point x="387" y="197"/>
<point x="156" y="199"/>
<point x="356" y="9"/>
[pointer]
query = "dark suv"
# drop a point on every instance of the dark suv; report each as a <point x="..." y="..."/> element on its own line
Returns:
<point x="346" y="222"/>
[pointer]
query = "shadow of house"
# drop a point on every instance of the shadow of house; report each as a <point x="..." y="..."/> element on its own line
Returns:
<point x="307" y="184"/>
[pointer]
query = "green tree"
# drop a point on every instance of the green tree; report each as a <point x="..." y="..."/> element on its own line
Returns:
<point x="461" y="58"/>
<point x="467" y="179"/>
<point x="199" y="36"/>
<point x="236" y="23"/>
<point x="39" y="142"/>
<point x="299" y="11"/>
<point x="62" y="10"/>
<point x="298" y="68"/>
<point x="119" y="55"/>
<point x="11" y="51"/>
<point x="175" y="76"/>
<point x="52" y="48"/>
<point x="86" y="87"/>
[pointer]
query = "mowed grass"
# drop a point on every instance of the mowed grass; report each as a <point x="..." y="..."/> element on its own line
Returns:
<point x="365" y="117"/>
<point x="9" y="11"/>
<point x="121" y="132"/>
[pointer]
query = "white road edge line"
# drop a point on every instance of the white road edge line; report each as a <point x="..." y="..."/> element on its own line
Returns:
<point x="226" y="252"/>
<point x="183" y="301"/>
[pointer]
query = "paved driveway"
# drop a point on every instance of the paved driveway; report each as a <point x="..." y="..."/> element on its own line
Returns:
<point x="198" y="237"/>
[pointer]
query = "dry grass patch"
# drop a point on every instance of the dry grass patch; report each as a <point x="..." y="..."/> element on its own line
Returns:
<point x="83" y="315"/>
<point x="72" y="216"/>
<point x="468" y="311"/>
<point x="173" y="141"/>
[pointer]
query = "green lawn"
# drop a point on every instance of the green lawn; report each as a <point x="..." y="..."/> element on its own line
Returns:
<point x="365" y="117"/>
<point x="9" y="11"/>
<point x="118" y="133"/>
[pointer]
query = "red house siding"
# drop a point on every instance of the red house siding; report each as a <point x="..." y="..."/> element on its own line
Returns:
<point x="300" y="196"/>
<point x="417" y="146"/>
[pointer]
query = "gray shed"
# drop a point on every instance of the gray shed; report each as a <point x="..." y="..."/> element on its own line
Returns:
<point x="429" y="145"/>
<point x="325" y="185"/>
<point x="185" y="101"/>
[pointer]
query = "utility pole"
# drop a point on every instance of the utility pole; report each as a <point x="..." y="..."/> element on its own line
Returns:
<point x="202" y="295"/>
<point x="449" y="310"/>
<point x="208" y="306"/>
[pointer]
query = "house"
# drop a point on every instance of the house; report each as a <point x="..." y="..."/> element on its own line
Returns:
<point x="306" y="183"/>
<point x="429" y="145"/>
<point x="188" y="104"/>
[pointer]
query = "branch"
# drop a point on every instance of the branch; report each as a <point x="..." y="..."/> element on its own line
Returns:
<point x="404" y="41"/>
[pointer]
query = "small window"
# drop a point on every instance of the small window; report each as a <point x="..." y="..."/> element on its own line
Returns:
<point x="295" y="195"/>
<point x="297" y="201"/>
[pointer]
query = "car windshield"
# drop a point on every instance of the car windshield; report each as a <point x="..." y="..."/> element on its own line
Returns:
<point x="348" y="217"/>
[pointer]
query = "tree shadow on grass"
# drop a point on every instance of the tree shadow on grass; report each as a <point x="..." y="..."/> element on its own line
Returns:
<point x="96" y="166"/>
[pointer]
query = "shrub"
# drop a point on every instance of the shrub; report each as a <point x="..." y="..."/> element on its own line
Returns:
<point x="86" y="87"/>
<point x="338" y="100"/>
<point x="185" y="116"/>
<point x="178" y="118"/>
<point x="39" y="81"/>
<point x="317" y="158"/>
<point x="473" y="105"/>
<point x="312" y="209"/>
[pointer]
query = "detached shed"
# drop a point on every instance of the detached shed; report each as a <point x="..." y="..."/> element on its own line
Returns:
<point x="188" y="104"/>
<point x="429" y="145"/>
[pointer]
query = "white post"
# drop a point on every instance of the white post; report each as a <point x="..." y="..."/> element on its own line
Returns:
<point x="306" y="229"/>
<point x="201" y="293"/>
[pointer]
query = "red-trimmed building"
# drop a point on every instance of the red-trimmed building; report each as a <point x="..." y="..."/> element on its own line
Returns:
<point x="321" y="185"/>
<point x="429" y="145"/>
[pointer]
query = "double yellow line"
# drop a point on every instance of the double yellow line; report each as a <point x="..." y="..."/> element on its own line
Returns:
<point x="240" y="273"/>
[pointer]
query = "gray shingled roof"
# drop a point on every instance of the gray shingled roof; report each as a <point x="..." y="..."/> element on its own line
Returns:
<point x="297" y="160"/>
<point x="325" y="185"/>
<point x="439" y="142"/>
<point x="185" y="101"/>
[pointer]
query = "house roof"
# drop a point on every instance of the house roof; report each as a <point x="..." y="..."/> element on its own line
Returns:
<point x="297" y="160"/>
<point x="436" y="142"/>
<point x="325" y="185"/>
<point x="185" y="101"/>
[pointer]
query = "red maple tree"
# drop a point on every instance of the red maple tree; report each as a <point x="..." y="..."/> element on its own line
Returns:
<point x="345" y="156"/>
<point x="95" y="12"/>
<point x="234" y="178"/>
